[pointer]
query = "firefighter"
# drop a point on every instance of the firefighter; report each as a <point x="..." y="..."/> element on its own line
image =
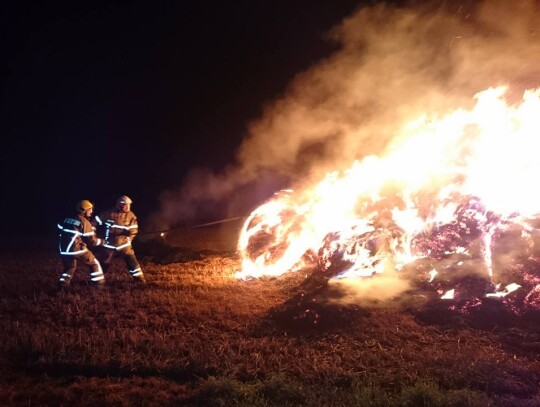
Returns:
<point x="76" y="233"/>
<point x="119" y="227"/>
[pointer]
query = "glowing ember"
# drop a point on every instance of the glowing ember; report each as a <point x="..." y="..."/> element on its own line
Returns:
<point x="508" y="289"/>
<point x="449" y="295"/>
<point x="447" y="188"/>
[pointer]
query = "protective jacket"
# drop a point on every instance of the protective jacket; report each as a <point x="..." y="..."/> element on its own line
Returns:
<point x="75" y="234"/>
<point x="120" y="228"/>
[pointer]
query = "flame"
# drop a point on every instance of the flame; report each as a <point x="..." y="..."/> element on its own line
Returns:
<point x="443" y="184"/>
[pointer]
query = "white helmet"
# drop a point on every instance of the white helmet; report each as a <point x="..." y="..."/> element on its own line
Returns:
<point x="124" y="200"/>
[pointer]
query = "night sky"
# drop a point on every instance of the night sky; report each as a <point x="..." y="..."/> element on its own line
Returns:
<point x="126" y="98"/>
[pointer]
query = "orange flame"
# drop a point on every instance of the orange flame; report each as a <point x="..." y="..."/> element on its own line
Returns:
<point x="372" y="213"/>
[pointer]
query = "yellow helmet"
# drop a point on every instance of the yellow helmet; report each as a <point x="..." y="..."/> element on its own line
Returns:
<point x="84" y="205"/>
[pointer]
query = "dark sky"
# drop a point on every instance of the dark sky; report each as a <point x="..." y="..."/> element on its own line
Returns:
<point x="126" y="98"/>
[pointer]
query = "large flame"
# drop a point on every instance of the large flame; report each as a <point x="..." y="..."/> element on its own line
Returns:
<point x="442" y="186"/>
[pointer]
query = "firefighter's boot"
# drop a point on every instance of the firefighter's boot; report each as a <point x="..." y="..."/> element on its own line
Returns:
<point x="135" y="269"/>
<point x="64" y="281"/>
<point x="96" y="274"/>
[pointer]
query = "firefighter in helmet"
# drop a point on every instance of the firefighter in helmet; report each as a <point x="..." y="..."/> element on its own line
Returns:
<point x="76" y="233"/>
<point x="119" y="227"/>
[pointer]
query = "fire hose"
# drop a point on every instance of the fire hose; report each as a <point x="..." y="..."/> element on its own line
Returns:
<point x="194" y="226"/>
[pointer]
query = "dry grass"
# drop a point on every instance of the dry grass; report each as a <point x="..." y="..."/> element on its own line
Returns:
<point x="197" y="336"/>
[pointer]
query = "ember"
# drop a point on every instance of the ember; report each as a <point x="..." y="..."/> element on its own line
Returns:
<point x="449" y="207"/>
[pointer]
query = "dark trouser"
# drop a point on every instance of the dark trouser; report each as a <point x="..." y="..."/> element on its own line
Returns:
<point x="70" y="265"/>
<point x="134" y="268"/>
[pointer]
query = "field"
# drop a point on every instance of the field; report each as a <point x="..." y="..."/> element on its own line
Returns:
<point x="197" y="336"/>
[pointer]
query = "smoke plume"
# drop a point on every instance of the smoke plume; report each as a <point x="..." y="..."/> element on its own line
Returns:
<point x="392" y="64"/>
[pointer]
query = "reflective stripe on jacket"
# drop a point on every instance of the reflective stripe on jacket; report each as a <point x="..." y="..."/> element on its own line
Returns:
<point x="75" y="234"/>
<point x="119" y="228"/>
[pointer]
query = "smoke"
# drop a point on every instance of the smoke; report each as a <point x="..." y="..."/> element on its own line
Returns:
<point x="392" y="65"/>
<point x="380" y="288"/>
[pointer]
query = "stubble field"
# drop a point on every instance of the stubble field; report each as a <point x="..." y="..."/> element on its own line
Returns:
<point x="197" y="336"/>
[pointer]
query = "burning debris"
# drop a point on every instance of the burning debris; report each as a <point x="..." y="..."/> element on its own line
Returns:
<point x="454" y="220"/>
